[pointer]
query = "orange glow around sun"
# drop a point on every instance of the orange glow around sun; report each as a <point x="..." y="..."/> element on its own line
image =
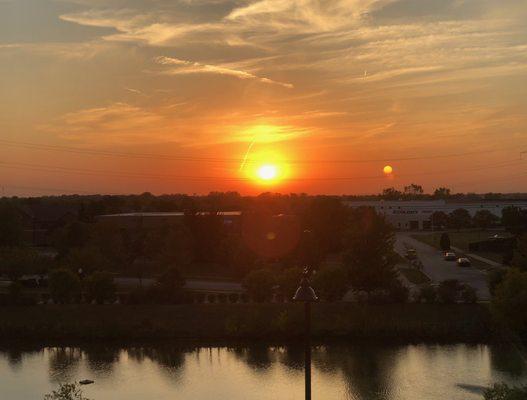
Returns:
<point x="268" y="172"/>
<point x="266" y="169"/>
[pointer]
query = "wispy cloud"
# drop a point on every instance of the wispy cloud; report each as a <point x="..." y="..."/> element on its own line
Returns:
<point x="181" y="67"/>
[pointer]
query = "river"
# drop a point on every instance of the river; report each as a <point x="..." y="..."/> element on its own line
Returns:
<point x="258" y="372"/>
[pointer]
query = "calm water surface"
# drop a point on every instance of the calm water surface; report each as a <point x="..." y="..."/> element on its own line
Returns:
<point x="365" y="372"/>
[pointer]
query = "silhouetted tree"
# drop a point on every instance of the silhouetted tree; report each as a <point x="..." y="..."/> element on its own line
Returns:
<point x="74" y="235"/>
<point x="494" y="278"/>
<point x="460" y="218"/>
<point x="17" y="261"/>
<point x="100" y="287"/>
<point x="330" y="282"/>
<point x="444" y="242"/>
<point x="510" y="300"/>
<point x="439" y="220"/>
<point x="514" y="219"/>
<point x="326" y="218"/>
<point x="449" y="291"/>
<point x="11" y="229"/>
<point x="370" y="258"/>
<point x="441" y="193"/>
<point x="88" y="258"/>
<point x="391" y="194"/>
<point x="288" y="281"/>
<point x="519" y="258"/>
<point x="413" y="190"/>
<point x="484" y="219"/>
<point x="259" y="284"/>
<point x="64" y="285"/>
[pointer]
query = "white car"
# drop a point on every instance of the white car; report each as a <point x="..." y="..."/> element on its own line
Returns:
<point x="463" y="262"/>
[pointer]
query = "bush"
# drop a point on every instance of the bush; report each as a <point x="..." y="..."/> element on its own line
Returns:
<point x="169" y="288"/>
<point x="398" y="292"/>
<point x="427" y="294"/>
<point x="171" y="279"/>
<point x="259" y="284"/>
<point x="504" y="392"/>
<point x="64" y="286"/>
<point x="100" y="287"/>
<point x="66" y="391"/>
<point x="510" y="301"/>
<point x="468" y="294"/>
<point x="378" y="296"/>
<point x="137" y="296"/>
<point x="448" y="291"/>
<point x="494" y="278"/>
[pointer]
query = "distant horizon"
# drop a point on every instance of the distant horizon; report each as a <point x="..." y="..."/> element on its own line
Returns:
<point x="453" y="195"/>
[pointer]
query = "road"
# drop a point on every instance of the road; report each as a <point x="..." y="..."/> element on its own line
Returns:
<point x="439" y="270"/>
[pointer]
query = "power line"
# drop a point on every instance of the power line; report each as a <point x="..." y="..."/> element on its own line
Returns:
<point x="46" y="189"/>
<point x="136" y="175"/>
<point x="111" y="153"/>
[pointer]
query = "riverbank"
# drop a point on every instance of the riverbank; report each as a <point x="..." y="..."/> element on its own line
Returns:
<point x="398" y="323"/>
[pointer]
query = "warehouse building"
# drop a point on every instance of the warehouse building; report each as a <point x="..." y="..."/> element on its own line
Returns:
<point x="415" y="215"/>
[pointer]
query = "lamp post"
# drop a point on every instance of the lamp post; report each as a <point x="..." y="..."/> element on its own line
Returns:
<point x="306" y="294"/>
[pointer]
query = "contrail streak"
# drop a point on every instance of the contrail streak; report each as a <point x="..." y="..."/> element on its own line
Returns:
<point x="246" y="155"/>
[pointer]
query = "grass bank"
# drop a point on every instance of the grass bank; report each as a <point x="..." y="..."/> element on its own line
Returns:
<point x="402" y="323"/>
<point x="414" y="276"/>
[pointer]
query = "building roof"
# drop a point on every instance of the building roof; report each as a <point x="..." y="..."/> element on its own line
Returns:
<point x="167" y="214"/>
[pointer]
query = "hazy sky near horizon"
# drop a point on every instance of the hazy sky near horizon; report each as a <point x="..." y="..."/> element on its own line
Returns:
<point x="121" y="96"/>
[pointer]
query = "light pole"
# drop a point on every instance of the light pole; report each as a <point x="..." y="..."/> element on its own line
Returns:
<point x="306" y="294"/>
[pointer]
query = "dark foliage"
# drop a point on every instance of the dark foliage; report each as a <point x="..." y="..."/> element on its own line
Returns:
<point x="64" y="286"/>
<point x="439" y="220"/>
<point x="504" y="392"/>
<point x="259" y="284"/>
<point x="448" y="291"/>
<point x="100" y="288"/>
<point x="369" y="257"/>
<point x="444" y="242"/>
<point x="510" y="301"/>
<point x="459" y="219"/>
<point x="330" y="283"/>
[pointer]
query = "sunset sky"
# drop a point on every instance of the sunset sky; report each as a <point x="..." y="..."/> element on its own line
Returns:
<point x="172" y="96"/>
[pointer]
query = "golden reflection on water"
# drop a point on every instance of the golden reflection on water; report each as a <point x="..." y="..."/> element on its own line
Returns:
<point x="361" y="372"/>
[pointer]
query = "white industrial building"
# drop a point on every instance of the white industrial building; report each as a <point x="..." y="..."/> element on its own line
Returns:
<point x="415" y="215"/>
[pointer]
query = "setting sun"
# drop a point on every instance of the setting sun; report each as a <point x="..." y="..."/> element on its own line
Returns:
<point x="268" y="172"/>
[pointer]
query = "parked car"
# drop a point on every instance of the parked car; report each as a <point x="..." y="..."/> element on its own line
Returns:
<point x="463" y="262"/>
<point x="449" y="256"/>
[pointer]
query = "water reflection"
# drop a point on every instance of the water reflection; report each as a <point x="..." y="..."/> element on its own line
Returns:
<point x="509" y="362"/>
<point x="63" y="363"/>
<point x="366" y="369"/>
<point x="258" y="372"/>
